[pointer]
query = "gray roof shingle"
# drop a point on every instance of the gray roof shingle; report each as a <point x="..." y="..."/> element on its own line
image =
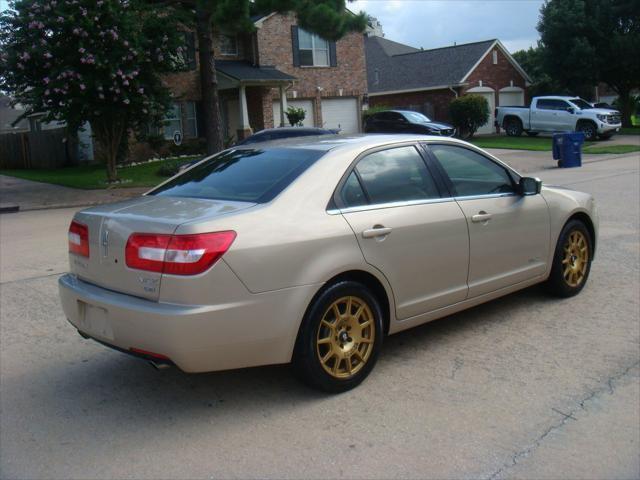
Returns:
<point x="245" y="71"/>
<point x="420" y="68"/>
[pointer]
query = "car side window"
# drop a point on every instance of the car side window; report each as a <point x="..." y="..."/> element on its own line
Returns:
<point x="472" y="173"/>
<point x="394" y="175"/>
<point x="562" y="105"/>
<point x="545" y="105"/>
<point x="352" y="194"/>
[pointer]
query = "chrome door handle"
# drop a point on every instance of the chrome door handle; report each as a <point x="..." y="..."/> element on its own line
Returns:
<point x="376" y="232"/>
<point x="481" y="217"/>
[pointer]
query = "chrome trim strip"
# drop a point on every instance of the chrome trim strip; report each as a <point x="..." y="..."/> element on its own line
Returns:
<point x="408" y="203"/>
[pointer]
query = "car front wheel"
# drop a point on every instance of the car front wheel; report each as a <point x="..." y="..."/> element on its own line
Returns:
<point x="340" y="338"/>
<point x="589" y="130"/>
<point x="571" y="261"/>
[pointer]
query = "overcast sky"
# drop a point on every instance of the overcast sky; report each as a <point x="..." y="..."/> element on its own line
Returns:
<point x="438" y="23"/>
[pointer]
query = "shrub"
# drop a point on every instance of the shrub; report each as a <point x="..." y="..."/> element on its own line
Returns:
<point x="296" y="116"/>
<point x="469" y="113"/>
<point x="169" y="169"/>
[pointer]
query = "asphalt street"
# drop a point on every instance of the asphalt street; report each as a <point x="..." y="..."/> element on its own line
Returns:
<point x="527" y="386"/>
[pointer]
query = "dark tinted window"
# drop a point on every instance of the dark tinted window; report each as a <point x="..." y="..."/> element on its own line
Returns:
<point x="472" y="173"/>
<point x="544" y="105"/>
<point x="552" y="104"/>
<point x="352" y="194"/>
<point x="254" y="175"/>
<point x="398" y="174"/>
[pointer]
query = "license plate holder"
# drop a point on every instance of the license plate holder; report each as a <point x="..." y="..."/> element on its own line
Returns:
<point x="94" y="321"/>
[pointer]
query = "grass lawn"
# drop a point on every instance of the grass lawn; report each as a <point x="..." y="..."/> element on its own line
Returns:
<point x="95" y="176"/>
<point x="540" y="144"/>
<point x="613" y="149"/>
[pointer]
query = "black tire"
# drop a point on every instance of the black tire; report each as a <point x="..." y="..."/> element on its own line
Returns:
<point x="589" y="130"/>
<point x="307" y="364"/>
<point x="560" y="283"/>
<point x="533" y="134"/>
<point x="513" y="127"/>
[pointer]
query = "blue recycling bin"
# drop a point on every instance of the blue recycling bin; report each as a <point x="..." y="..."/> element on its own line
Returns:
<point x="567" y="149"/>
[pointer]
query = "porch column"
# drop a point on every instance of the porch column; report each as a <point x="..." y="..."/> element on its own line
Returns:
<point x="244" y="129"/>
<point x="283" y="106"/>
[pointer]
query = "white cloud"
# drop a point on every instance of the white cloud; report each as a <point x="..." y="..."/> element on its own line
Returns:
<point x="437" y="23"/>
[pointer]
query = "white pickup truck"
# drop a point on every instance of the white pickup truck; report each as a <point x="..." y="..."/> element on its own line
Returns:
<point x="559" y="114"/>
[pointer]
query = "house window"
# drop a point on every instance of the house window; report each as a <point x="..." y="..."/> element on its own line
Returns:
<point x="228" y="45"/>
<point x="495" y="57"/>
<point x="190" y="122"/>
<point x="188" y="53"/>
<point x="314" y="51"/>
<point x="172" y="121"/>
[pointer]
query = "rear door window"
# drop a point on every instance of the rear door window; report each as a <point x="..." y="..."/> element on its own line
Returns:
<point x="246" y="175"/>
<point x="394" y="175"/>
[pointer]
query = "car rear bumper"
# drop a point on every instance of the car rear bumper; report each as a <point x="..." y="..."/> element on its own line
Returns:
<point x="258" y="330"/>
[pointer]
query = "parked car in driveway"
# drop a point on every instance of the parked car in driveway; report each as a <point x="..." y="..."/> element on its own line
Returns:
<point x="280" y="133"/>
<point x="312" y="251"/>
<point x="559" y="114"/>
<point x="406" y="121"/>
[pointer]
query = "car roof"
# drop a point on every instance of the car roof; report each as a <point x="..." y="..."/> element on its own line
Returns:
<point x="336" y="142"/>
<point x="292" y="129"/>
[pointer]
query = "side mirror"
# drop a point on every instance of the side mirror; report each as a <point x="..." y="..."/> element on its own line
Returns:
<point x="530" y="186"/>
<point x="571" y="110"/>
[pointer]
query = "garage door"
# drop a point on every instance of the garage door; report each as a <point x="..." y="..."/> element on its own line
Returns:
<point x="306" y="105"/>
<point x="341" y="113"/>
<point x="511" y="99"/>
<point x="488" y="127"/>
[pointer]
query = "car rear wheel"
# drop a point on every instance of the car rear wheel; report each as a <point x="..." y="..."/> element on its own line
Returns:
<point x="513" y="127"/>
<point x="572" y="260"/>
<point x="340" y="338"/>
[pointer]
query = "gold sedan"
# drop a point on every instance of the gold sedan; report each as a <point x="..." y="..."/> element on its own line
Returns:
<point x="311" y="251"/>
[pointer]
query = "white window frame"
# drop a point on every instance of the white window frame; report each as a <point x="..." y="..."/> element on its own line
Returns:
<point x="228" y="53"/>
<point x="193" y="118"/>
<point x="315" y="50"/>
<point x="495" y="57"/>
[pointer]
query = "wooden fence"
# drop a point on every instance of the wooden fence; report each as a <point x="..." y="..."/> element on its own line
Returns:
<point x="44" y="149"/>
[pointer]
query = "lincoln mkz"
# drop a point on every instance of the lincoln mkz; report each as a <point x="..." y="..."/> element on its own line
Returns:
<point x="311" y="251"/>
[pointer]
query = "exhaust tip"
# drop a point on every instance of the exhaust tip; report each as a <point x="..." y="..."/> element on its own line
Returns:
<point x="159" y="366"/>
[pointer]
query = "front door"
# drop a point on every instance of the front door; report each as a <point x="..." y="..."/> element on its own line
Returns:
<point x="405" y="229"/>
<point x="508" y="232"/>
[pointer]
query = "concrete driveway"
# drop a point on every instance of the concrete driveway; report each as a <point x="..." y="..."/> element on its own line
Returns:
<point x="28" y="195"/>
<point x="527" y="386"/>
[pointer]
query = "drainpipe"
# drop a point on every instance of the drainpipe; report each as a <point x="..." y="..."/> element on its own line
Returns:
<point x="454" y="92"/>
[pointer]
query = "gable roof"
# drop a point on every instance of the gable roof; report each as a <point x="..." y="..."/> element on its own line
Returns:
<point x="424" y="69"/>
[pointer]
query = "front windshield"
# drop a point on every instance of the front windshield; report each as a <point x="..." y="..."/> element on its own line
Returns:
<point x="581" y="104"/>
<point x="416" y="117"/>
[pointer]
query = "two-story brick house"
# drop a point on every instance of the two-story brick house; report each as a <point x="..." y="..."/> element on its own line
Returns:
<point x="400" y="76"/>
<point x="262" y="73"/>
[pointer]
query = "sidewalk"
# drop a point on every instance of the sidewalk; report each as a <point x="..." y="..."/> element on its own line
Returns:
<point x="526" y="161"/>
<point x="18" y="194"/>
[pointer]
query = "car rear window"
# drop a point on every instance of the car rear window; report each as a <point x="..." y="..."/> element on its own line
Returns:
<point x="244" y="175"/>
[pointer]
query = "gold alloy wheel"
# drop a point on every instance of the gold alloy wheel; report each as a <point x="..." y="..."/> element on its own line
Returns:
<point x="345" y="337"/>
<point x="576" y="258"/>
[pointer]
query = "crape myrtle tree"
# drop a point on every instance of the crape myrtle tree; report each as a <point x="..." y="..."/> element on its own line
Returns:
<point x="96" y="61"/>
<point x="589" y="41"/>
<point x="328" y="18"/>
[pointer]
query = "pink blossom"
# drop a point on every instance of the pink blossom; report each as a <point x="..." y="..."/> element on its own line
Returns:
<point x="20" y="66"/>
<point x="60" y="19"/>
<point x="82" y="86"/>
<point x="126" y="82"/>
<point x="141" y="90"/>
<point x="46" y="80"/>
<point x="47" y="92"/>
<point x="76" y="31"/>
<point x="25" y="56"/>
<point x="48" y="55"/>
<point x="81" y="50"/>
<point x="126" y="101"/>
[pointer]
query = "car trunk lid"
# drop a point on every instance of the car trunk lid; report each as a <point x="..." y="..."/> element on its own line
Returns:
<point x="111" y="225"/>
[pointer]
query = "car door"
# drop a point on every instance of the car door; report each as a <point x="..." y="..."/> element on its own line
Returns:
<point x="406" y="229"/>
<point x="564" y="119"/>
<point x="508" y="232"/>
<point x="543" y="116"/>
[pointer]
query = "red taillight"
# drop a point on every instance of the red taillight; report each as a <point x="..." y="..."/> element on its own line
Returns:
<point x="177" y="254"/>
<point x="79" y="239"/>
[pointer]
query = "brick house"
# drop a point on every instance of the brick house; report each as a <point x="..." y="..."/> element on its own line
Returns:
<point x="400" y="76"/>
<point x="262" y="73"/>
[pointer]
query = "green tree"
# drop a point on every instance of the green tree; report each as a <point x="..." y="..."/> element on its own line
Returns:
<point x="469" y="113"/>
<point x="328" y="18"/>
<point x="588" y="41"/>
<point x="89" y="61"/>
<point x="532" y="62"/>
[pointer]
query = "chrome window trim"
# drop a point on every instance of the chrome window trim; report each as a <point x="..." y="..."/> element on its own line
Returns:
<point x="409" y="203"/>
